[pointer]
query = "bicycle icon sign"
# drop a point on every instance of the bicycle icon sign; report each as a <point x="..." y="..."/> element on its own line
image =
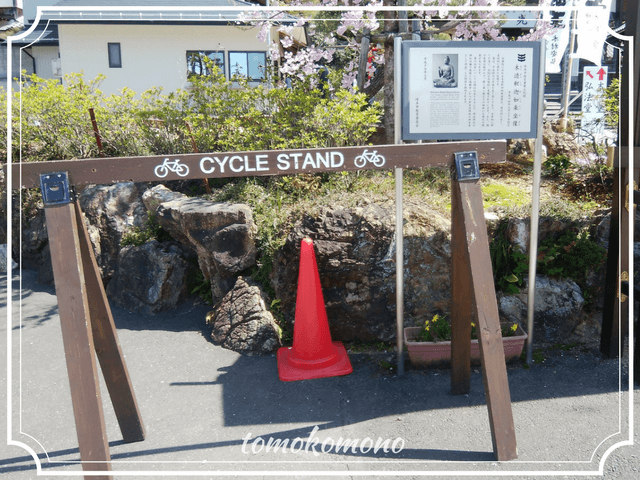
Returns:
<point x="371" y="157"/>
<point x="162" y="170"/>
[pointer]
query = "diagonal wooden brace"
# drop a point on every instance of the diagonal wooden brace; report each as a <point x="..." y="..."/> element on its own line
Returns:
<point x="474" y="296"/>
<point x="105" y="340"/>
<point x="73" y="308"/>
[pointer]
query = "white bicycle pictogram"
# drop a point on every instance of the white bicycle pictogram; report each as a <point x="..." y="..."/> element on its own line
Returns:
<point x="371" y="157"/>
<point x="161" y="171"/>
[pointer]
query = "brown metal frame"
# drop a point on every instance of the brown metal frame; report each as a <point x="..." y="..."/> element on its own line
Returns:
<point x="87" y="323"/>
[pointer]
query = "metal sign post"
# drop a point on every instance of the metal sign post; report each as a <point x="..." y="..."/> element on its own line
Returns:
<point x="399" y="238"/>
<point x="535" y="213"/>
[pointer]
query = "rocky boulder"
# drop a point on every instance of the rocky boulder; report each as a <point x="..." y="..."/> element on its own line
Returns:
<point x="151" y="278"/>
<point x="558" y="307"/>
<point x="109" y="211"/>
<point x="559" y="142"/>
<point x="355" y="252"/>
<point x="35" y="245"/>
<point x="242" y="321"/>
<point x="3" y="260"/>
<point x="221" y="234"/>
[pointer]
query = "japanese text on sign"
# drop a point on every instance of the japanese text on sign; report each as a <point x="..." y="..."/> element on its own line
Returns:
<point x="470" y="91"/>
<point x="594" y="82"/>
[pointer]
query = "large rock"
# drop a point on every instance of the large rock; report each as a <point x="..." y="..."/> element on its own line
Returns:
<point x="3" y="259"/>
<point x="243" y="323"/>
<point x="150" y="278"/>
<point x="221" y="234"/>
<point x="558" y="142"/>
<point x="355" y="252"/>
<point x="157" y="195"/>
<point x="35" y="248"/>
<point x="558" y="305"/>
<point x="110" y="210"/>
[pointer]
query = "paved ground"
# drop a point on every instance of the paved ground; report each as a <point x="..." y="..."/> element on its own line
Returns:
<point x="200" y="403"/>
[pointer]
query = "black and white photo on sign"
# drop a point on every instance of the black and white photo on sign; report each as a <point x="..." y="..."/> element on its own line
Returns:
<point x="445" y="70"/>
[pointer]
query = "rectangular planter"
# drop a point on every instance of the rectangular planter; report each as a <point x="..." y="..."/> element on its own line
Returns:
<point x="438" y="354"/>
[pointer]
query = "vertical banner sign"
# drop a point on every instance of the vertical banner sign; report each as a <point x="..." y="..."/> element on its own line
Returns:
<point x="593" y="20"/>
<point x="558" y="41"/>
<point x="594" y="81"/>
<point x="469" y="90"/>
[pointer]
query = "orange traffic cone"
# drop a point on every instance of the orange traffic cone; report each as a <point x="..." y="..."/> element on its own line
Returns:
<point x="313" y="354"/>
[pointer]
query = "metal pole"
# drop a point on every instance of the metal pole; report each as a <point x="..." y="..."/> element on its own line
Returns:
<point x="535" y="209"/>
<point x="399" y="239"/>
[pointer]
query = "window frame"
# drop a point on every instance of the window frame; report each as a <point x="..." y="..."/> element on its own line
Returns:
<point x="220" y="57"/>
<point x="247" y="53"/>
<point x="110" y="54"/>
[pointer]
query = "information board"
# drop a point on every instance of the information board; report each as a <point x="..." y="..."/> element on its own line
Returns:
<point x="469" y="90"/>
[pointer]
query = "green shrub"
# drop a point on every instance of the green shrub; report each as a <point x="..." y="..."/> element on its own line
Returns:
<point x="570" y="256"/>
<point x="510" y="265"/>
<point x="51" y="120"/>
<point x="152" y="230"/>
<point x="557" y="165"/>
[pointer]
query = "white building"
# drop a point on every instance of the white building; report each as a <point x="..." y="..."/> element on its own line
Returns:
<point x="139" y="44"/>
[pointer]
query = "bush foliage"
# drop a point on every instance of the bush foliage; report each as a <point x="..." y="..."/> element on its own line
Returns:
<point x="51" y="120"/>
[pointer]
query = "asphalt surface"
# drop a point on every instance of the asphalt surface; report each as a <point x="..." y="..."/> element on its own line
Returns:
<point x="210" y="412"/>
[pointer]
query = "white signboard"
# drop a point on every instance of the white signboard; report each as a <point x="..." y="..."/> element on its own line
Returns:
<point x="594" y="82"/>
<point x="593" y="25"/>
<point x="469" y="90"/>
<point x="558" y="41"/>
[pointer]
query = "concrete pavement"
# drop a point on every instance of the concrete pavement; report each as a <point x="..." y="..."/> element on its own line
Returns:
<point x="216" y="414"/>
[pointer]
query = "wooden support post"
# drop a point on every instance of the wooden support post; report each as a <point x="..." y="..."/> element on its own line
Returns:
<point x="73" y="307"/>
<point x="461" y="308"/>
<point x="485" y="309"/>
<point x="105" y="340"/>
<point x="610" y="335"/>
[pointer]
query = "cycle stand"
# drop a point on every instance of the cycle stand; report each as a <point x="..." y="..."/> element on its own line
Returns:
<point x="86" y="319"/>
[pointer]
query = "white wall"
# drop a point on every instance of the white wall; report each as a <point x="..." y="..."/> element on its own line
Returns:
<point x="152" y="55"/>
<point x="44" y="56"/>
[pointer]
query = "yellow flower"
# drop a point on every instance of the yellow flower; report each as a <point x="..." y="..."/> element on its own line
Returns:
<point x="514" y="327"/>
<point x="473" y="324"/>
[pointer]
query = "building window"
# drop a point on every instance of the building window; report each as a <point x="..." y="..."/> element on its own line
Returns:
<point x="197" y="63"/>
<point x="248" y="64"/>
<point x="115" y="60"/>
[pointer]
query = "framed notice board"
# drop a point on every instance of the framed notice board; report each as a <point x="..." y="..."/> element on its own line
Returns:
<point x="470" y="90"/>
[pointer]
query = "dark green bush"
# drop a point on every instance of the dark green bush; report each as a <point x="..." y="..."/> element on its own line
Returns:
<point x="557" y="165"/>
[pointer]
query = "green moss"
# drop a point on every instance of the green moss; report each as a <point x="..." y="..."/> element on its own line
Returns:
<point x="503" y="195"/>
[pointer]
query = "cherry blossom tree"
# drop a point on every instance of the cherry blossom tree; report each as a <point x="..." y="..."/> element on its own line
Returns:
<point x="370" y="19"/>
